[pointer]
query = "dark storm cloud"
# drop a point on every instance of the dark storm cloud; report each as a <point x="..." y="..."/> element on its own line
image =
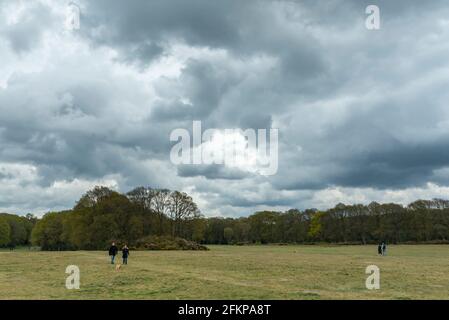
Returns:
<point x="203" y="84"/>
<point x="243" y="28"/>
<point x="134" y="23"/>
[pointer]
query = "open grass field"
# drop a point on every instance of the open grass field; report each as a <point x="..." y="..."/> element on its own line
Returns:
<point x="231" y="272"/>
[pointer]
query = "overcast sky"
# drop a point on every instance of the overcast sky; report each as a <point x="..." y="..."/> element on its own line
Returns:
<point x="362" y="114"/>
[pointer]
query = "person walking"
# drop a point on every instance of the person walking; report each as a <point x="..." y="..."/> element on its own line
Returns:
<point x="113" y="252"/>
<point x="379" y="249"/>
<point x="125" y="254"/>
<point x="384" y="249"/>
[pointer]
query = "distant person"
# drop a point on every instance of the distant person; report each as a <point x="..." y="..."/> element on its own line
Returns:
<point x="379" y="249"/>
<point x="112" y="252"/>
<point x="384" y="249"/>
<point x="125" y="254"/>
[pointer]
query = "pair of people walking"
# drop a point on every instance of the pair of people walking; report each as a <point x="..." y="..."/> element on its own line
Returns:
<point x="382" y="249"/>
<point x="113" y="252"/>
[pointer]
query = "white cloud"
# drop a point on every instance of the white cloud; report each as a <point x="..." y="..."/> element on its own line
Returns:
<point x="21" y="191"/>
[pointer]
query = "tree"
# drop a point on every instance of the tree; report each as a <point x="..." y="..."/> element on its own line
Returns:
<point x="316" y="225"/>
<point x="20" y="229"/>
<point x="242" y="229"/>
<point x="182" y="208"/>
<point x="228" y="234"/>
<point x="198" y="229"/>
<point x="92" y="197"/>
<point x="263" y="226"/>
<point x="5" y="232"/>
<point x="143" y="197"/>
<point x="48" y="232"/>
<point x="161" y="202"/>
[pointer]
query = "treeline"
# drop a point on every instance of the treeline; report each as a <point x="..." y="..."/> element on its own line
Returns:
<point x="103" y="215"/>
<point x="16" y="230"/>
<point x="420" y="221"/>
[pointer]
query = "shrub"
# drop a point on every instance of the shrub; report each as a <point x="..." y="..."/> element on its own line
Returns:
<point x="168" y="243"/>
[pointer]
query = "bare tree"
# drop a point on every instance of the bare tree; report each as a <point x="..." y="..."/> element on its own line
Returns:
<point x="142" y="196"/>
<point x="161" y="204"/>
<point x="182" y="208"/>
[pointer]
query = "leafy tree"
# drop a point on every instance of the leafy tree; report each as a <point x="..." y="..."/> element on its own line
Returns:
<point x="198" y="229"/>
<point x="48" y="232"/>
<point x="316" y="225"/>
<point x="20" y="229"/>
<point x="5" y="232"/>
<point x="228" y="234"/>
<point x="92" y="197"/>
<point x="263" y="226"/>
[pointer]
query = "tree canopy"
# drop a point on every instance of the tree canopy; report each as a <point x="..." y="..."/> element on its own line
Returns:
<point x="16" y="230"/>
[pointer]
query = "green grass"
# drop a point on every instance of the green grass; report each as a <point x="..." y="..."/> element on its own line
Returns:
<point x="231" y="272"/>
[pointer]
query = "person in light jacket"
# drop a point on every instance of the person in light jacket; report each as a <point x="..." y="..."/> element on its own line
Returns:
<point x="384" y="249"/>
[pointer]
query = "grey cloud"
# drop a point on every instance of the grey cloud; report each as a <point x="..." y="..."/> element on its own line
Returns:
<point x="354" y="108"/>
<point x="197" y="22"/>
<point x="211" y="172"/>
<point x="26" y="34"/>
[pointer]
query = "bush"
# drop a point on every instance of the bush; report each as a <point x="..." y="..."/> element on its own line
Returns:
<point x="168" y="243"/>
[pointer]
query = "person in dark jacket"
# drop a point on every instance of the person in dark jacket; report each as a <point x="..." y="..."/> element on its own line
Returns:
<point x="113" y="252"/>
<point x="384" y="249"/>
<point x="379" y="249"/>
<point x="125" y="254"/>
